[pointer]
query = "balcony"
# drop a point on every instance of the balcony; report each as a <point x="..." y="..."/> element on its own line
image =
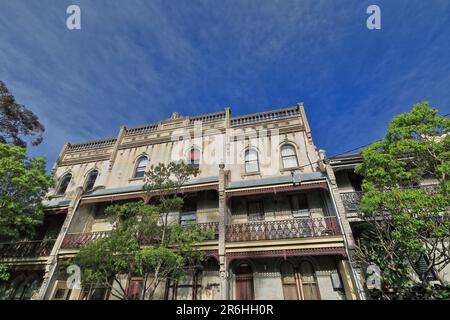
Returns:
<point x="283" y="229"/>
<point x="213" y="227"/>
<point x="77" y="240"/>
<point x="351" y="200"/>
<point x="26" y="249"/>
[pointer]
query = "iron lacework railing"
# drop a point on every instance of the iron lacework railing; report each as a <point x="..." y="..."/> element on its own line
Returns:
<point x="26" y="249"/>
<point x="77" y="240"/>
<point x="352" y="200"/>
<point x="251" y="231"/>
<point x="283" y="229"/>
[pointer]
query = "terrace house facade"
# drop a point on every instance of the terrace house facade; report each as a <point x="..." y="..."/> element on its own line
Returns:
<point x="280" y="228"/>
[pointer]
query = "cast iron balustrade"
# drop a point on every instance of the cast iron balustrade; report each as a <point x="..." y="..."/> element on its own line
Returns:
<point x="26" y="249"/>
<point x="214" y="226"/>
<point x="283" y="229"/>
<point x="77" y="240"/>
<point x="351" y="200"/>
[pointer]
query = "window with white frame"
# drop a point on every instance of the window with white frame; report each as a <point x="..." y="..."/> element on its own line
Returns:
<point x="251" y="161"/>
<point x="289" y="156"/>
<point x="141" y="165"/>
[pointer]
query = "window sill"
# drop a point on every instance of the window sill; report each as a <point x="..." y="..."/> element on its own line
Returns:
<point x="251" y="174"/>
<point x="56" y="196"/>
<point x="136" y="179"/>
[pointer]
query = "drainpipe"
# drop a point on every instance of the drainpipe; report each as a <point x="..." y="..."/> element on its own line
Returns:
<point x="52" y="261"/>
<point x="360" y="294"/>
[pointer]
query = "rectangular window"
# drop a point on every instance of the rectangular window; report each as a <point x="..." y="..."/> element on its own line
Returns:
<point x="60" y="294"/>
<point x="188" y="218"/>
<point x="94" y="293"/>
<point x="251" y="162"/>
<point x="255" y="210"/>
<point x="355" y="180"/>
<point x="186" y="288"/>
<point x="188" y="212"/>
<point x="61" y="291"/>
<point x="100" y="210"/>
<point x="189" y="204"/>
<point x="299" y="206"/>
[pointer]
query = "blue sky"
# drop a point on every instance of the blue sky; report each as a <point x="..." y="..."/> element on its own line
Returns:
<point x="135" y="62"/>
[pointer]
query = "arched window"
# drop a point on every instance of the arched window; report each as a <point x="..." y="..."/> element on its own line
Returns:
<point x="64" y="184"/>
<point x="289" y="156"/>
<point x="251" y="161"/>
<point x="244" y="282"/>
<point x="194" y="158"/>
<point x="289" y="281"/>
<point x="90" y="182"/>
<point x="140" y="167"/>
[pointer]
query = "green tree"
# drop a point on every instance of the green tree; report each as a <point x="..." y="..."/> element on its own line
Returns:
<point x="16" y="121"/>
<point x="144" y="242"/>
<point x="23" y="184"/>
<point x="4" y="274"/>
<point x="406" y="203"/>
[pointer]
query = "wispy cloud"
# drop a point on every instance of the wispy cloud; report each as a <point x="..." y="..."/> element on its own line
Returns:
<point x="134" y="62"/>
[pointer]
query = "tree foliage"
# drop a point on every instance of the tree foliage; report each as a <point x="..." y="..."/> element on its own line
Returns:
<point x="4" y="274"/>
<point x="406" y="202"/>
<point x="23" y="185"/>
<point x="16" y="121"/>
<point x="144" y="242"/>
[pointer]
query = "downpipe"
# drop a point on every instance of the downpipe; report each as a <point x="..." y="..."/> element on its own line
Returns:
<point x="360" y="291"/>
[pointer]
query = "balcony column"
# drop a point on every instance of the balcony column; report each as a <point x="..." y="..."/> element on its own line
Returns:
<point x="222" y="231"/>
<point x="347" y="279"/>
